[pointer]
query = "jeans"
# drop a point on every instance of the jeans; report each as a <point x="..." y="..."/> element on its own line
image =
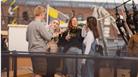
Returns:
<point x="88" y="67"/>
<point x="71" y="63"/>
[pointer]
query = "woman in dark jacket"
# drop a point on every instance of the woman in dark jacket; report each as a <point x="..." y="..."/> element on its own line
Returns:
<point x="72" y="43"/>
<point x="72" y="36"/>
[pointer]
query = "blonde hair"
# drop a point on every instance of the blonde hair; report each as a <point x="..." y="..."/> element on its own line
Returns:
<point x="39" y="10"/>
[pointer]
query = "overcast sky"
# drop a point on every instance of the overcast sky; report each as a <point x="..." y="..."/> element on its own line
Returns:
<point x="110" y="1"/>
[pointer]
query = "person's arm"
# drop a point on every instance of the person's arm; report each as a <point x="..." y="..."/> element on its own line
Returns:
<point x="89" y="41"/>
<point x="62" y="39"/>
<point x="47" y="35"/>
<point x="63" y="35"/>
<point x="84" y="31"/>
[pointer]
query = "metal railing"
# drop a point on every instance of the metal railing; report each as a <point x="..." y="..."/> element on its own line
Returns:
<point x="114" y="62"/>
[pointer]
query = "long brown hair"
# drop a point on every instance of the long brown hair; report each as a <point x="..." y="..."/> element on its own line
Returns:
<point x="70" y="23"/>
<point x="92" y="25"/>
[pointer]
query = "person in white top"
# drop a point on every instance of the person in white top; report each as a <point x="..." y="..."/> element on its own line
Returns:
<point x="89" y="42"/>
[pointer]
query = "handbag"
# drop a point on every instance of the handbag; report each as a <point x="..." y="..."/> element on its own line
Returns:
<point x="99" y="49"/>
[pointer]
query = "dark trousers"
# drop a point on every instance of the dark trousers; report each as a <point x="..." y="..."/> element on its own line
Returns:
<point x="39" y="65"/>
<point x="53" y="66"/>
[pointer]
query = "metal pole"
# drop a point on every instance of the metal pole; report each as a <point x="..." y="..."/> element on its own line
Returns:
<point x="76" y="63"/>
<point x="8" y="66"/>
<point x="15" y="65"/>
<point x="103" y="38"/>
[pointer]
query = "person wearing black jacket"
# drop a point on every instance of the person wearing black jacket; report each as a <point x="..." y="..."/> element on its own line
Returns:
<point x="71" y="40"/>
<point x="4" y="48"/>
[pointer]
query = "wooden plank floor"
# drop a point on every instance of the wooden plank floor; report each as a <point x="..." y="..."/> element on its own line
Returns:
<point x="22" y="72"/>
<point x="24" y="66"/>
<point x="104" y="72"/>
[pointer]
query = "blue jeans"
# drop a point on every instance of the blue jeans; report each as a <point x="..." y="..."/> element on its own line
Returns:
<point x="88" y="67"/>
<point x="71" y="63"/>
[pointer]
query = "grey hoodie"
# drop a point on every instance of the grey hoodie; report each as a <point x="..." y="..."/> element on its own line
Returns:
<point x="37" y="36"/>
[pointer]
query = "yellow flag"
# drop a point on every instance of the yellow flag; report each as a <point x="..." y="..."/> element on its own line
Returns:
<point x="4" y="1"/>
<point x="15" y="8"/>
<point x="14" y="21"/>
<point x="62" y="22"/>
<point x="53" y="12"/>
<point x="13" y="2"/>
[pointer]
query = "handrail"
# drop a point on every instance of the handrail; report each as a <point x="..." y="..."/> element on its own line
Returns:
<point x="62" y="55"/>
<point x="110" y="61"/>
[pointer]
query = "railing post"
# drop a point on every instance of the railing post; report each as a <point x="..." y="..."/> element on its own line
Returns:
<point x="76" y="68"/>
<point x="15" y="64"/>
<point x="7" y="59"/>
<point x="8" y="66"/>
<point x="96" y="68"/>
